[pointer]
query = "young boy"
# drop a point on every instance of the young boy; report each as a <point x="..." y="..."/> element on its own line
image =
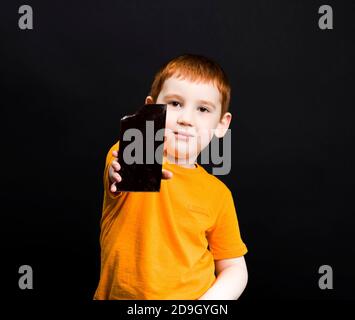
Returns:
<point x="182" y="243"/>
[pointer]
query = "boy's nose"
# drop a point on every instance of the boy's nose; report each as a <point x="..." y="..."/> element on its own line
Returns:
<point x="185" y="117"/>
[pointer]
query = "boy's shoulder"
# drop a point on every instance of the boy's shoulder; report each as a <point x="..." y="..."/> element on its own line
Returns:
<point x="214" y="184"/>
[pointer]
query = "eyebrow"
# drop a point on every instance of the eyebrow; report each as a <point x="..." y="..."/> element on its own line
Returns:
<point x="171" y="96"/>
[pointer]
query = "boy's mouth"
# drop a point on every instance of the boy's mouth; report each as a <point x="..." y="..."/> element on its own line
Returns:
<point x="182" y="135"/>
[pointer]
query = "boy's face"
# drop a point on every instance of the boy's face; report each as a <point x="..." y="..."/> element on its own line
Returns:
<point x="193" y="109"/>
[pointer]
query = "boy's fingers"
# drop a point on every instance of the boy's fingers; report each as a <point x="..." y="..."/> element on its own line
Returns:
<point x="166" y="174"/>
<point x="116" y="165"/>
<point x="117" y="177"/>
<point x="113" y="187"/>
<point x="115" y="154"/>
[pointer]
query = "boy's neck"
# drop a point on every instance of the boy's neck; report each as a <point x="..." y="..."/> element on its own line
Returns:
<point x="186" y="163"/>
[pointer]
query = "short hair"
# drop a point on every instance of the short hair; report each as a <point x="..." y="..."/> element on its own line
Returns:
<point x="195" y="68"/>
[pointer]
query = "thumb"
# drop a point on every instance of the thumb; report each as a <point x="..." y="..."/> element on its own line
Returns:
<point x="166" y="174"/>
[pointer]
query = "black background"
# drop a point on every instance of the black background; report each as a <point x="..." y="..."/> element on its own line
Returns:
<point x="66" y="83"/>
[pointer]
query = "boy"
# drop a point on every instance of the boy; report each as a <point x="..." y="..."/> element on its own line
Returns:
<point x="172" y="244"/>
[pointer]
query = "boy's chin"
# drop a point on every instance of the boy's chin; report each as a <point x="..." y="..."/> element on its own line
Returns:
<point x="179" y="155"/>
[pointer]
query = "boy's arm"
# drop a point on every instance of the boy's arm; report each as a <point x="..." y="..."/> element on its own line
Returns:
<point x="232" y="278"/>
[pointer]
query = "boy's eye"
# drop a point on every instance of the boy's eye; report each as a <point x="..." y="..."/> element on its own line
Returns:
<point x="174" y="103"/>
<point x="203" y="109"/>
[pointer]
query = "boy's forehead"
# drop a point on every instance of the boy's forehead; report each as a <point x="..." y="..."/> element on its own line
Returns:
<point x="191" y="89"/>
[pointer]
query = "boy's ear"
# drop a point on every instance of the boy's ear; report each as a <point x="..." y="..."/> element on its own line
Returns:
<point x="149" y="100"/>
<point x="223" y="125"/>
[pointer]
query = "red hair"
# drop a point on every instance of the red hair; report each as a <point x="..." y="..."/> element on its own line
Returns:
<point x="195" y="68"/>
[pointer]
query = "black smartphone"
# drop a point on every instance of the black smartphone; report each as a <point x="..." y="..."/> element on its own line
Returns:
<point x="141" y="148"/>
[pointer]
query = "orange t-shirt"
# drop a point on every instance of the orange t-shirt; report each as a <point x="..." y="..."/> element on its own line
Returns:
<point x="162" y="245"/>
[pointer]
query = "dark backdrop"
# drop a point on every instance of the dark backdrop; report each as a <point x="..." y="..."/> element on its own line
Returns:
<point x="66" y="83"/>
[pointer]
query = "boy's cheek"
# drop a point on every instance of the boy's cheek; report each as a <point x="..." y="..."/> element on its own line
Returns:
<point x="169" y="134"/>
<point x="205" y="138"/>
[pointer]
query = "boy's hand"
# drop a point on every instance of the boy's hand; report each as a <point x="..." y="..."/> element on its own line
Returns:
<point x="113" y="172"/>
<point x="116" y="178"/>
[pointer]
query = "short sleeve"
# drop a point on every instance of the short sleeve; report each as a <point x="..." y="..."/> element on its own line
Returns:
<point x="223" y="237"/>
